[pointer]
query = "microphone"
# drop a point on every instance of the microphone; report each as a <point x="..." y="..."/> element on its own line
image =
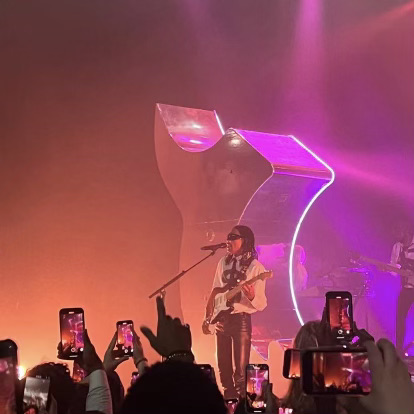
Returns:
<point x="214" y="246"/>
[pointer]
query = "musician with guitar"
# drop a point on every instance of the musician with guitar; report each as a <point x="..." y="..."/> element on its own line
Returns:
<point x="401" y="264"/>
<point x="238" y="291"/>
<point x="403" y="256"/>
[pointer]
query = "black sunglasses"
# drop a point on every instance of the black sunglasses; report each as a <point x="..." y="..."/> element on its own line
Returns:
<point x="233" y="236"/>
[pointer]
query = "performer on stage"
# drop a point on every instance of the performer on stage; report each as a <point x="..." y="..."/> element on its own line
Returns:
<point x="403" y="255"/>
<point x="234" y="330"/>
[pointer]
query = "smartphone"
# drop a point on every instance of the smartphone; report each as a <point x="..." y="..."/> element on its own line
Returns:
<point x="78" y="373"/>
<point x="340" y="315"/>
<point x="134" y="377"/>
<point x="231" y="405"/>
<point x="8" y="377"/>
<point x="256" y="374"/>
<point x="36" y="394"/>
<point x="291" y="364"/>
<point x="72" y="325"/>
<point x="336" y="371"/>
<point x="209" y="371"/>
<point x="125" y="338"/>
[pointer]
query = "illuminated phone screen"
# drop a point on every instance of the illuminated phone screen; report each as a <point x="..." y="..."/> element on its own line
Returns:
<point x="36" y="393"/>
<point x="340" y="373"/>
<point x="71" y="328"/>
<point x="340" y="318"/>
<point x="255" y="376"/>
<point x="7" y="385"/>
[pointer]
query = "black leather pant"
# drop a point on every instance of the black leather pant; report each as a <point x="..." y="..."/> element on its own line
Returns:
<point x="404" y="302"/>
<point x="234" y="335"/>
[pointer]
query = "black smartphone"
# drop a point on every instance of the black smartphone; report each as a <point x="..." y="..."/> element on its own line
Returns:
<point x="231" y="405"/>
<point x="72" y="325"/>
<point x="291" y="364"/>
<point x="78" y="373"/>
<point x="256" y="374"/>
<point x="8" y="377"/>
<point x="36" y="395"/>
<point x="339" y="313"/>
<point x="209" y="371"/>
<point x="134" y="377"/>
<point x="125" y="339"/>
<point x="336" y="371"/>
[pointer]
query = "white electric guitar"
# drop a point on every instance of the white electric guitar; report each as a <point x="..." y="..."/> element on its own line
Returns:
<point x="220" y="300"/>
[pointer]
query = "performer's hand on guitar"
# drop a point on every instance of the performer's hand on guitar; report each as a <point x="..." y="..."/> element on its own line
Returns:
<point x="171" y="336"/>
<point x="205" y="327"/>
<point x="248" y="290"/>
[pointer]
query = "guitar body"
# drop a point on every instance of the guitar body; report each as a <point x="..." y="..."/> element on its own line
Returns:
<point x="221" y="299"/>
<point x="218" y="304"/>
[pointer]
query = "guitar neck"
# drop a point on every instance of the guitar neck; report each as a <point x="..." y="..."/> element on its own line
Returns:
<point x="388" y="266"/>
<point x="233" y="292"/>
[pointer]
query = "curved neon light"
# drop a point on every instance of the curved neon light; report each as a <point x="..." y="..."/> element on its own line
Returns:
<point x="219" y="123"/>
<point x="295" y="234"/>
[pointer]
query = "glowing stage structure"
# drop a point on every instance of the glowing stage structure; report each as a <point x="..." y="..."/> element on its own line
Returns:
<point x="222" y="178"/>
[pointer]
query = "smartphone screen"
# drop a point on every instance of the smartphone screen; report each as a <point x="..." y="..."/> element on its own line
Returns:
<point x="291" y="364"/>
<point x="78" y="372"/>
<point x="71" y="331"/>
<point x="8" y="377"/>
<point x="339" y="308"/>
<point x="134" y="377"/>
<point x="36" y="394"/>
<point x="7" y="386"/>
<point x="256" y="374"/>
<point x="125" y="338"/>
<point x="336" y="372"/>
<point x="231" y="405"/>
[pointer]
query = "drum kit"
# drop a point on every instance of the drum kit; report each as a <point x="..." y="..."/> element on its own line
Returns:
<point x="356" y="279"/>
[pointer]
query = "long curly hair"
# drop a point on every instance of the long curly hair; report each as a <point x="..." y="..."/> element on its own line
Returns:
<point x="62" y="386"/>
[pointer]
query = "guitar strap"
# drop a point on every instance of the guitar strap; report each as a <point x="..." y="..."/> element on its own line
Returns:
<point x="232" y="277"/>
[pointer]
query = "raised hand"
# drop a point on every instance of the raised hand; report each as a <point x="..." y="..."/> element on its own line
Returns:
<point x="392" y="389"/>
<point x="110" y="363"/>
<point x="89" y="359"/>
<point x="172" y="335"/>
<point x="272" y="404"/>
<point x="138" y="354"/>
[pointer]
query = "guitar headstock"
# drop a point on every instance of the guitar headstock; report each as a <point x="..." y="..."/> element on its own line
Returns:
<point x="354" y="256"/>
<point x="265" y="275"/>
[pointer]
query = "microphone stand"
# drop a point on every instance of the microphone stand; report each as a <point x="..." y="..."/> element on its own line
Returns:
<point x="161" y="290"/>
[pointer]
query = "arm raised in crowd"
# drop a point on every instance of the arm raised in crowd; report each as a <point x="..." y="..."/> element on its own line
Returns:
<point x="392" y="389"/>
<point x="173" y="339"/>
<point x="140" y="361"/>
<point x="99" y="395"/>
<point x="110" y="363"/>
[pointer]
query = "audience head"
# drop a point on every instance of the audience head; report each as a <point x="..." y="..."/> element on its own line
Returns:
<point x="307" y="336"/>
<point x="62" y="386"/>
<point x="174" y="386"/>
